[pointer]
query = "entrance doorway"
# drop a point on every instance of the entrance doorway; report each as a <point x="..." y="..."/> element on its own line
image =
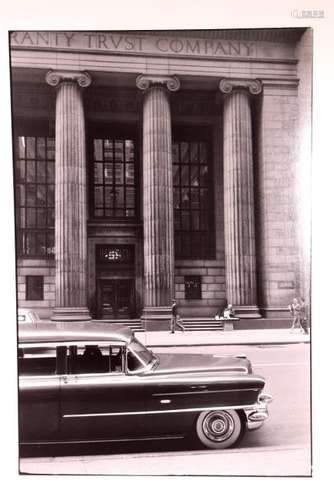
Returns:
<point x="115" y="281"/>
<point x="116" y="298"/>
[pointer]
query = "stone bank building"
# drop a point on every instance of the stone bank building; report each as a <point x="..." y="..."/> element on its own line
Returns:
<point x="158" y="164"/>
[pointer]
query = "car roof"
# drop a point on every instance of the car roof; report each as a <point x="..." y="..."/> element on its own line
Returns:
<point x="68" y="331"/>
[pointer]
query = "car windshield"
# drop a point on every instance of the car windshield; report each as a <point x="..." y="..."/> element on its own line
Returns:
<point x="145" y="356"/>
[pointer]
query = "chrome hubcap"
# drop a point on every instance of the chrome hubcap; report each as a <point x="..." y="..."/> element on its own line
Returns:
<point x="218" y="426"/>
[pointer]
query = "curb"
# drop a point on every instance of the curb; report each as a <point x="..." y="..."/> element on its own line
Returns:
<point x="211" y="344"/>
<point x="181" y="340"/>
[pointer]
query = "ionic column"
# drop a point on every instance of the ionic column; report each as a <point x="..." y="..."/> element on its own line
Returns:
<point x="240" y="256"/>
<point x="70" y="197"/>
<point x="157" y="199"/>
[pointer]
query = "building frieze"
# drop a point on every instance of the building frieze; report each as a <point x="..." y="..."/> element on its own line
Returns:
<point x="215" y="44"/>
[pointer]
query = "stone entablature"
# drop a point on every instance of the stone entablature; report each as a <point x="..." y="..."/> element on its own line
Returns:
<point x="112" y="101"/>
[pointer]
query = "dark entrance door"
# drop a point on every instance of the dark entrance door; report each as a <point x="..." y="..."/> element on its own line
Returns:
<point x="116" y="298"/>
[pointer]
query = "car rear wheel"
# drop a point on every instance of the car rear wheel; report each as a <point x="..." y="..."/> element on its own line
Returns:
<point x="219" y="429"/>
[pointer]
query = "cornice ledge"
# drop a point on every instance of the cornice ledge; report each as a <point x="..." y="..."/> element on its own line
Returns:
<point x="280" y="82"/>
<point x="144" y="82"/>
<point x="82" y="78"/>
<point x="227" y="85"/>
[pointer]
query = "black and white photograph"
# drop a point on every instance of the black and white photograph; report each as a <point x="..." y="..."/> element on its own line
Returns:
<point x="161" y="246"/>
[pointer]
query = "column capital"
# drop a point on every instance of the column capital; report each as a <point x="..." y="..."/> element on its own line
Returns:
<point x="144" y="82"/>
<point x="228" y="85"/>
<point x="82" y="78"/>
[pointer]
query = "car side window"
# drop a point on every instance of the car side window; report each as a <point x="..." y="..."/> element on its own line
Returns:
<point x="37" y="361"/>
<point x="94" y="359"/>
<point x="133" y="362"/>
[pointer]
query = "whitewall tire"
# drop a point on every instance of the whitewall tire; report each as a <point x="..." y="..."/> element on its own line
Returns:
<point x="219" y="429"/>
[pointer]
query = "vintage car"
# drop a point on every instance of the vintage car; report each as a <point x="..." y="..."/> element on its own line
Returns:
<point x="88" y="382"/>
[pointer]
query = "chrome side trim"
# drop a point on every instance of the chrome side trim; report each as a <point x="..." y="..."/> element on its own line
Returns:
<point x="203" y="391"/>
<point x="143" y="379"/>
<point x="154" y="412"/>
<point x="102" y="440"/>
<point x="164" y="371"/>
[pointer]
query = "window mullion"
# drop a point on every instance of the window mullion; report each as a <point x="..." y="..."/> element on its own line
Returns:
<point x="124" y="180"/>
<point x="25" y="196"/>
<point x="113" y="189"/>
<point x="103" y="177"/>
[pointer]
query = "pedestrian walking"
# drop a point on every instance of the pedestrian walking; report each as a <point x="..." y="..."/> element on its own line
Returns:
<point x="295" y="311"/>
<point x="303" y="316"/>
<point x="175" y="321"/>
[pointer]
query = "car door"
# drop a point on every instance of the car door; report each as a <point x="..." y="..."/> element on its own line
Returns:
<point x="99" y="402"/>
<point x="39" y="391"/>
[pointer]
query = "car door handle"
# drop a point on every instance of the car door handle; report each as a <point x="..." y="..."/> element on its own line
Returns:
<point x="67" y="379"/>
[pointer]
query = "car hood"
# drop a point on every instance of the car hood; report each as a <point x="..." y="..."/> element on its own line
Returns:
<point x="185" y="363"/>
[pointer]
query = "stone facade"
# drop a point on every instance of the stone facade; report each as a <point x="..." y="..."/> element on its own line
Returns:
<point x="250" y="90"/>
<point x="43" y="268"/>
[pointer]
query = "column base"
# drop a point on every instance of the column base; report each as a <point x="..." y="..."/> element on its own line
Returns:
<point x="70" y="314"/>
<point x="156" y="318"/>
<point x="247" y="311"/>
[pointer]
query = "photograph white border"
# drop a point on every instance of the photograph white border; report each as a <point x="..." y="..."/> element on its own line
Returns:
<point x="180" y="14"/>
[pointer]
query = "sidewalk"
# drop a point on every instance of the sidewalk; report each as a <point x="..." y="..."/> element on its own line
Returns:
<point x="235" y="337"/>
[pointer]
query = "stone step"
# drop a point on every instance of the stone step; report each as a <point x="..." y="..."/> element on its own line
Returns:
<point x="134" y="324"/>
<point x="202" y="329"/>
<point x="201" y="325"/>
<point x="216" y="323"/>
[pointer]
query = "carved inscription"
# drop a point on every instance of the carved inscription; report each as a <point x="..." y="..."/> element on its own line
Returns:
<point x="125" y="42"/>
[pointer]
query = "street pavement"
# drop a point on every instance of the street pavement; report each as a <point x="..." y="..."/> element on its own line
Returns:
<point x="234" y="337"/>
